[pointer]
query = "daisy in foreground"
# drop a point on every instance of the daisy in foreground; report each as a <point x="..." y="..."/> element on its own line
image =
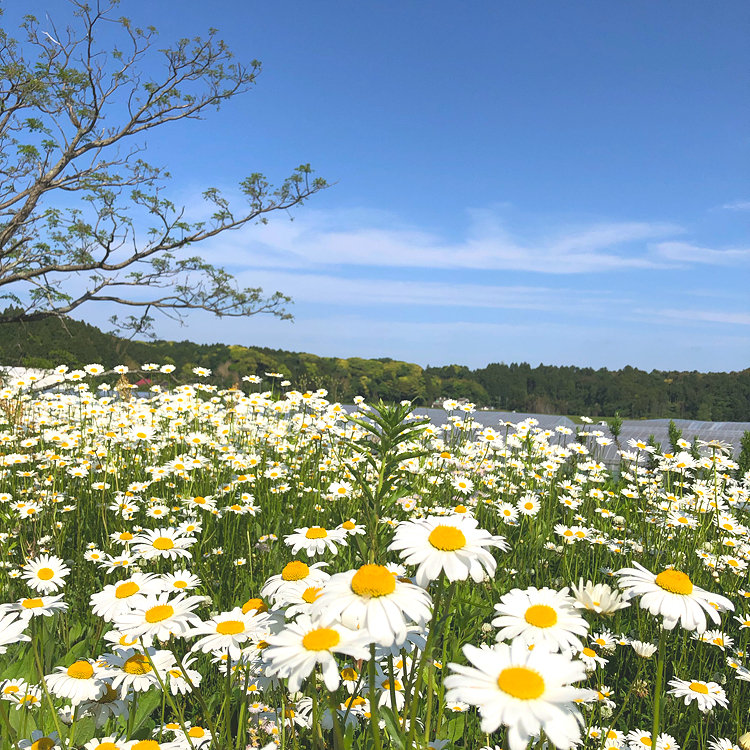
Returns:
<point x="525" y="691"/>
<point x="373" y="598"/>
<point x="454" y="545"/>
<point x="540" y="616"/>
<point x="673" y="595"/>
<point x="302" y="645"/>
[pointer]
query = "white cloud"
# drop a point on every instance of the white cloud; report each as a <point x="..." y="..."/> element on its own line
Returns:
<point x="686" y="253"/>
<point x="318" y="239"/>
<point x="737" y="206"/>
<point x="708" y="316"/>
<point x="336" y="290"/>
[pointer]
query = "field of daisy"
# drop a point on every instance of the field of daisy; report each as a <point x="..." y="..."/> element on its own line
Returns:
<point x="257" y="567"/>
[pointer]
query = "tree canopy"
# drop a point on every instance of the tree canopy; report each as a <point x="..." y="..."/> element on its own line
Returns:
<point x="83" y="218"/>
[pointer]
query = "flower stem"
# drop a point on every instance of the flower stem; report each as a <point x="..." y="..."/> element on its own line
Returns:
<point x="374" y="709"/>
<point x="658" y="685"/>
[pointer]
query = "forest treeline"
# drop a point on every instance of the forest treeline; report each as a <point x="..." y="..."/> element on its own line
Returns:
<point x="546" y="389"/>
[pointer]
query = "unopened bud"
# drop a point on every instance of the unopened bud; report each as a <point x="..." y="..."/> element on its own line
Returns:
<point x="745" y="741"/>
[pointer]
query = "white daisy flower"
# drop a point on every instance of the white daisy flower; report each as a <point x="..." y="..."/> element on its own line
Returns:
<point x="158" y="616"/>
<point x="315" y="540"/>
<point x="227" y="632"/>
<point x="118" y="598"/>
<point x="46" y="573"/>
<point x="527" y="691"/>
<point x="373" y="598"/>
<point x="673" y="595"/>
<point x="12" y="625"/>
<point x="165" y="542"/>
<point x="293" y="573"/>
<point x="598" y="597"/>
<point x="453" y="545"/>
<point x="295" y="651"/>
<point x="180" y="580"/>
<point x="707" y="695"/>
<point x="132" y="670"/>
<point x="540" y="616"/>
<point x="79" y="682"/>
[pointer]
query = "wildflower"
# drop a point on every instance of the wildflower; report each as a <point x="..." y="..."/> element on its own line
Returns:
<point x="301" y="645"/>
<point x="707" y="695"/>
<point x="452" y="545"/>
<point x="116" y="599"/>
<point x="227" y="631"/>
<point x="12" y="625"/>
<point x="46" y="573"/>
<point x="133" y="670"/>
<point x="293" y="573"/>
<point x="673" y="595"/>
<point x="165" y="542"/>
<point x="540" y="616"/>
<point x="315" y="540"/>
<point x="79" y="682"/>
<point x="643" y="649"/>
<point x="158" y="616"/>
<point x="598" y="597"/>
<point x="372" y="597"/>
<point x="525" y="691"/>
<point x="41" y="741"/>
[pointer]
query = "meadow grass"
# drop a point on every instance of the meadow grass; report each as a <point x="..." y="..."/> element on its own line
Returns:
<point x="229" y="480"/>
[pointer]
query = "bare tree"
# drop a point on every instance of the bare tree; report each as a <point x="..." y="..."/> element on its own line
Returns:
<point x="74" y="188"/>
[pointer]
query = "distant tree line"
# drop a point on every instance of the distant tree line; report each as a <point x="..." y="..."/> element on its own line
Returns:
<point x="629" y="392"/>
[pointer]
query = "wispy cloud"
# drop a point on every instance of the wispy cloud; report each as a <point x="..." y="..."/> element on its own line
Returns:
<point x="737" y="206"/>
<point x="688" y="254"/>
<point x="708" y="316"/>
<point x="318" y="239"/>
<point x="337" y="290"/>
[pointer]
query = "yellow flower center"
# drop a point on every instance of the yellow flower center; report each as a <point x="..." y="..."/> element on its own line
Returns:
<point x="196" y="732"/>
<point x="646" y="741"/>
<point x="521" y="682"/>
<point x="45" y="574"/>
<point x="137" y="664"/>
<point x="588" y="652"/>
<point x="230" y="627"/>
<point x="124" y="590"/>
<point x="163" y="543"/>
<point x="126" y="536"/>
<point x="675" y="581"/>
<point x="311" y="594"/>
<point x="322" y="639"/>
<point x="43" y="743"/>
<point x="373" y="581"/>
<point x="541" y="616"/>
<point x="316" y="532"/>
<point x="256" y="604"/>
<point x="447" y="538"/>
<point x="106" y="746"/>
<point x="32" y="603"/>
<point x="80" y="670"/>
<point x="349" y="674"/>
<point x="200" y="501"/>
<point x="125" y="642"/>
<point x="146" y="745"/>
<point x="159" y="613"/>
<point x="698" y="687"/>
<point x="348" y="525"/>
<point x="460" y="509"/>
<point x="180" y="584"/>
<point x="295" y="571"/>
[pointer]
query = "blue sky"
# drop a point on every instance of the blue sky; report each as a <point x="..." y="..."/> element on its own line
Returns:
<point x="549" y="182"/>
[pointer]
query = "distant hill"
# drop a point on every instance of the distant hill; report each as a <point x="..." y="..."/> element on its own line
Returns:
<point x="633" y="393"/>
